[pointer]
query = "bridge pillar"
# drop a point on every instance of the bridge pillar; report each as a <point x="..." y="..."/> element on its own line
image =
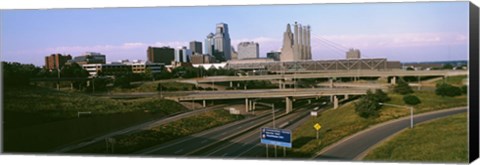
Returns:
<point x="246" y="104"/>
<point x="330" y="81"/>
<point x="393" y="81"/>
<point x="309" y="101"/>
<point x="346" y="97"/>
<point x="335" y="102"/>
<point x="250" y="105"/>
<point x="279" y="84"/>
<point x="288" y="104"/>
<point x="71" y="85"/>
<point x="204" y="103"/>
<point x="231" y="84"/>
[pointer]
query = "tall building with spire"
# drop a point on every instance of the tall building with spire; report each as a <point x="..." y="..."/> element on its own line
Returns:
<point x="296" y="45"/>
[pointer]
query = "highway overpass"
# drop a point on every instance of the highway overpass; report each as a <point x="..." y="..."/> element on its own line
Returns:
<point x="338" y="74"/>
<point x="288" y="94"/>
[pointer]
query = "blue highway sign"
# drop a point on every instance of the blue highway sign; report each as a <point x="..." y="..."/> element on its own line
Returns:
<point x="278" y="137"/>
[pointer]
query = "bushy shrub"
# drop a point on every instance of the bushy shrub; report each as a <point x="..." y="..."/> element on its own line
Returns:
<point x="444" y="89"/>
<point x="402" y="88"/>
<point x="411" y="100"/>
<point x="464" y="89"/>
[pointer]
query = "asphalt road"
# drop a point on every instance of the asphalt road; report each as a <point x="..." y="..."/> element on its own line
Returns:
<point x="354" y="147"/>
<point x="248" y="144"/>
<point x="186" y="145"/>
<point x="207" y="143"/>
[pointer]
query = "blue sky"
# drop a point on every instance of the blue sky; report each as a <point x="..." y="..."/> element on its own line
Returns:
<point x="397" y="31"/>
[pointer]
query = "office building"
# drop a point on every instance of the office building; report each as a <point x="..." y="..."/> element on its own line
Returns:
<point x="274" y="55"/>
<point x="209" y="43"/>
<point x="248" y="50"/>
<point x="196" y="47"/>
<point x="353" y="54"/>
<point x="56" y="61"/>
<point x="202" y="59"/>
<point x="219" y="44"/>
<point x="123" y="67"/>
<point x="296" y="45"/>
<point x="183" y="54"/>
<point x="163" y="55"/>
<point x="89" y="58"/>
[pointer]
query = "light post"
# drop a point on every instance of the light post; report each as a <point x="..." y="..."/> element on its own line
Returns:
<point x="401" y="106"/>
<point x="273" y="112"/>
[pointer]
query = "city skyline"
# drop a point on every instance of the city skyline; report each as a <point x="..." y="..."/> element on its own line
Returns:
<point x="397" y="31"/>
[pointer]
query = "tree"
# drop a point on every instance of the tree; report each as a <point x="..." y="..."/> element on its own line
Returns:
<point x="73" y="70"/>
<point x="368" y="105"/>
<point x="16" y="74"/>
<point x="402" y="88"/>
<point x="411" y="100"/>
<point x="444" y="89"/>
<point x="123" y="81"/>
<point x="148" y="75"/>
<point x="448" y="66"/>
<point x="381" y="96"/>
<point x="464" y="89"/>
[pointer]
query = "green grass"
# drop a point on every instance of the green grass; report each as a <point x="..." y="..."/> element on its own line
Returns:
<point x="454" y="80"/>
<point x="136" y="141"/>
<point x="59" y="105"/>
<point x="342" y="122"/>
<point x="442" y="140"/>
<point x="40" y="119"/>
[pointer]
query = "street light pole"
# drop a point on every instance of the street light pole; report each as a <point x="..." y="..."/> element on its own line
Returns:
<point x="58" y="77"/>
<point x="401" y="106"/>
<point x="273" y="111"/>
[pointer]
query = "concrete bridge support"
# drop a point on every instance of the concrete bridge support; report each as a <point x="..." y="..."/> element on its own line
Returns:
<point x="335" y="102"/>
<point x="246" y="104"/>
<point x="330" y="81"/>
<point x="250" y="105"/>
<point x="393" y="81"/>
<point x="346" y="97"/>
<point x="204" y="103"/>
<point x="288" y="104"/>
<point x="231" y="84"/>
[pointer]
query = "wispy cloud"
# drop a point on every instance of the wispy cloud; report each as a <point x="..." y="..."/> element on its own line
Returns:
<point x="393" y="40"/>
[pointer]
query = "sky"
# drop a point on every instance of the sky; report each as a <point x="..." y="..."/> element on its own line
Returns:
<point x="407" y="32"/>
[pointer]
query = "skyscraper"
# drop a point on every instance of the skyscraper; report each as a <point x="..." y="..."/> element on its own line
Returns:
<point x="221" y="42"/>
<point x="248" y="50"/>
<point x="196" y="47"/>
<point x="209" y="43"/>
<point x="296" y="46"/>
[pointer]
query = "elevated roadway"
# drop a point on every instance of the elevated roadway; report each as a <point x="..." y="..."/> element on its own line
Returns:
<point x="338" y="74"/>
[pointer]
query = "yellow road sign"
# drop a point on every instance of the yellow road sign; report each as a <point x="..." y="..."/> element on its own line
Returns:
<point x="317" y="126"/>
